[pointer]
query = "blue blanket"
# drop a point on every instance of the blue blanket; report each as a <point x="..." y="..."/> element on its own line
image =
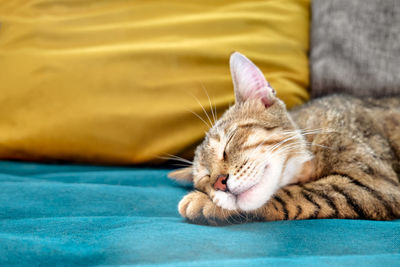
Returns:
<point x="94" y="215"/>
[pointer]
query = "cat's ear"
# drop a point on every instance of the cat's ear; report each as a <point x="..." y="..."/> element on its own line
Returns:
<point x="183" y="175"/>
<point x="249" y="82"/>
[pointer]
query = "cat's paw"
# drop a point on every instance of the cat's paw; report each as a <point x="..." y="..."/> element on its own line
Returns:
<point x="197" y="207"/>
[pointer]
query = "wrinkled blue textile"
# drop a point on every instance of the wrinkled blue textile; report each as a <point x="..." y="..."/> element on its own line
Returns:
<point x="94" y="215"/>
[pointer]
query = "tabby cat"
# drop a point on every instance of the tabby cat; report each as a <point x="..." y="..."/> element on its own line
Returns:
<point x="335" y="157"/>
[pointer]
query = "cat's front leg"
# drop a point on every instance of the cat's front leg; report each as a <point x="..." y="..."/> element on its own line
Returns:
<point x="335" y="196"/>
<point x="198" y="208"/>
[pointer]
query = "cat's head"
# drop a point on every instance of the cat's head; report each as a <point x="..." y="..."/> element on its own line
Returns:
<point x="252" y="150"/>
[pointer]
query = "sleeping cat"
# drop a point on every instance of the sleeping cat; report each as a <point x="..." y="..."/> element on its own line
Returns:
<point x="335" y="157"/>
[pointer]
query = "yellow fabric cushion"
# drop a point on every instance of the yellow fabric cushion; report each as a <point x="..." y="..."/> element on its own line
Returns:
<point x="116" y="81"/>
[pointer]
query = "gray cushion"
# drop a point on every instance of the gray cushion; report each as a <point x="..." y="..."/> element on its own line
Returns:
<point x="355" y="47"/>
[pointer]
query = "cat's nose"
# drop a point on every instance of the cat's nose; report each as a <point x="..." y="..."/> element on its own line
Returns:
<point x="220" y="184"/>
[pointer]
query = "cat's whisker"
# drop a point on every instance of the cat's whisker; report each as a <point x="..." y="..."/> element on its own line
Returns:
<point x="209" y="101"/>
<point x="175" y="158"/>
<point x="233" y="218"/>
<point x="256" y="149"/>
<point x="313" y="144"/>
<point x="290" y="131"/>
<point x="254" y="214"/>
<point x="213" y="213"/>
<point x="300" y="132"/>
<point x="270" y="152"/>
<point x="309" y="131"/>
<point x="288" y="147"/>
<point x="274" y="146"/>
<point x="316" y="132"/>
<point x="289" y="150"/>
<point x="225" y="217"/>
<point x="242" y="218"/>
<point x="204" y="110"/>
<point x="320" y="131"/>
<point x="215" y="111"/>
<point x="180" y="165"/>
<point x="198" y="116"/>
<point x="313" y="131"/>
<point x="230" y="220"/>
<point x="266" y="159"/>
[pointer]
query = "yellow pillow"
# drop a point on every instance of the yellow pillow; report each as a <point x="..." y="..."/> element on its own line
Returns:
<point x="116" y="81"/>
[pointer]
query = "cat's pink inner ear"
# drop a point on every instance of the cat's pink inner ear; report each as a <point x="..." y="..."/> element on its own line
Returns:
<point x="249" y="82"/>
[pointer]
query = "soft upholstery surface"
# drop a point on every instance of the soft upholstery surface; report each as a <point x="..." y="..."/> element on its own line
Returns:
<point x="355" y="47"/>
<point x="116" y="81"/>
<point x="82" y="215"/>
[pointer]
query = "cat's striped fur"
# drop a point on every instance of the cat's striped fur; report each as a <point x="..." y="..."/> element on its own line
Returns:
<point x="358" y="174"/>
<point x="354" y="171"/>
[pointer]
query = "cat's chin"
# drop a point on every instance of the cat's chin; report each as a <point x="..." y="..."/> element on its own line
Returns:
<point x="251" y="199"/>
<point x="257" y="195"/>
<point x="248" y="200"/>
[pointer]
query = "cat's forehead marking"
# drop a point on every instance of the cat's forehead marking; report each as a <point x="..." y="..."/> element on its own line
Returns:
<point x="249" y="124"/>
<point x="255" y="136"/>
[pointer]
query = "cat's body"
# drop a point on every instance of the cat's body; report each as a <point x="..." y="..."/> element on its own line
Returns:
<point x="357" y="165"/>
<point x="335" y="157"/>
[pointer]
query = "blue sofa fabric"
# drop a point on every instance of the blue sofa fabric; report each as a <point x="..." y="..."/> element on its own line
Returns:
<point x="97" y="215"/>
